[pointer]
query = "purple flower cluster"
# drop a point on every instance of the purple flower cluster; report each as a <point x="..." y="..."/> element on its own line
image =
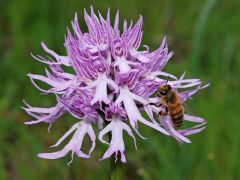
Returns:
<point x="112" y="84"/>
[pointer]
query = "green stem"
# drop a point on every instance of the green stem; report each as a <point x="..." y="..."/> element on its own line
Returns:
<point x="116" y="169"/>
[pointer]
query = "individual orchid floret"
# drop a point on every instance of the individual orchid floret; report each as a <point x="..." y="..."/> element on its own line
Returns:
<point x="101" y="85"/>
<point x="106" y="80"/>
<point x="116" y="127"/>
<point x="128" y="99"/>
<point x="74" y="145"/>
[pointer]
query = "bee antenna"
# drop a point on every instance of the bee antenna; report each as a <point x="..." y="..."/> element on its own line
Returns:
<point x="167" y="80"/>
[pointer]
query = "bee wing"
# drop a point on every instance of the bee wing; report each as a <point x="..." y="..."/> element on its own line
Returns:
<point x="187" y="108"/>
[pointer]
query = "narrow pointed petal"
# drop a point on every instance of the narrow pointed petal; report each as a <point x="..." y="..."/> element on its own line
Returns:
<point x="53" y="155"/>
<point x="92" y="137"/>
<point x="107" y="129"/>
<point x="74" y="127"/>
<point x="193" y="118"/>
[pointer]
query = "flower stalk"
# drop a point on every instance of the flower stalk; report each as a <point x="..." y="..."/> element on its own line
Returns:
<point x="116" y="169"/>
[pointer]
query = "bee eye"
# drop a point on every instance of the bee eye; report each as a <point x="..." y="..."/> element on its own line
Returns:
<point x="163" y="93"/>
<point x="169" y="87"/>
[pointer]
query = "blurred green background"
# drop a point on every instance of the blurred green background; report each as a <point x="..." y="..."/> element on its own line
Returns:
<point x="204" y="34"/>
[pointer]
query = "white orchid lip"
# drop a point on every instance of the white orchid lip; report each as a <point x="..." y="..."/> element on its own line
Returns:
<point x="82" y="128"/>
<point x="116" y="145"/>
<point x="128" y="98"/>
<point x="112" y="84"/>
<point x="101" y="88"/>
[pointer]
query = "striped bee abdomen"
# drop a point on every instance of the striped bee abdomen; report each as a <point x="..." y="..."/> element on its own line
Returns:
<point x="176" y="114"/>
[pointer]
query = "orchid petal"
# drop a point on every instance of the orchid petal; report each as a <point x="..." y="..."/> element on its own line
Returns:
<point x="63" y="59"/>
<point x="113" y="85"/>
<point x="103" y="132"/>
<point x="193" y="118"/>
<point x="53" y="155"/>
<point x="129" y="131"/>
<point x="74" y="127"/>
<point x="92" y="137"/>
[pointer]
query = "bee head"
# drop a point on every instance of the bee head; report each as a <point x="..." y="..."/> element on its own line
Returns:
<point x="163" y="90"/>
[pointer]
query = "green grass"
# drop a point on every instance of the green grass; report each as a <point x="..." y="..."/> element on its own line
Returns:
<point x="205" y="38"/>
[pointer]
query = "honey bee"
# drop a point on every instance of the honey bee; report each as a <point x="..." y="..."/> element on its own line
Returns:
<point x="172" y="102"/>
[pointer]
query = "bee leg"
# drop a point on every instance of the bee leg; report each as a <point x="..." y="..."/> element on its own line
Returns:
<point x="162" y="113"/>
<point x="166" y="109"/>
<point x="155" y="104"/>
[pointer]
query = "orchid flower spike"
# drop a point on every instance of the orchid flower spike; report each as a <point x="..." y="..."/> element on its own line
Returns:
<point x="112" y="84"/>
